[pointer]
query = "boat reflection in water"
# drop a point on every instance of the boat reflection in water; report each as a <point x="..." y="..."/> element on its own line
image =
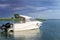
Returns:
<point x="23" y="35"/>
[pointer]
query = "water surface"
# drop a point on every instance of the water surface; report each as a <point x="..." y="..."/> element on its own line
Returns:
<point x="50" y="30"/>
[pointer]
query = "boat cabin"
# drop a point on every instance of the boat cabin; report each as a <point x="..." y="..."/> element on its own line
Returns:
<point x="24" y="18"/>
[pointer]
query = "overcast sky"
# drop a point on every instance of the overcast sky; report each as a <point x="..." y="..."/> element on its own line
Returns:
<point x="49" y="9"/>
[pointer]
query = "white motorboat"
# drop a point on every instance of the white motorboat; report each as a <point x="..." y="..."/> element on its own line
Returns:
<point x="25" y="23"/>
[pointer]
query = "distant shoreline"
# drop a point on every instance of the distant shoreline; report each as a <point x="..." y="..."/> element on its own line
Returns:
<point x="10" y="19"/>
<point x="35" y="18"/>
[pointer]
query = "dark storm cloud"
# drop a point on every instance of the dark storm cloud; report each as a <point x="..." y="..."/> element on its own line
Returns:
<point x="18" y="3"/>
<point x="44" y="8"/>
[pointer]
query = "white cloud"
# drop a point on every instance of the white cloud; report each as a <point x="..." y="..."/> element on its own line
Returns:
<point x="37" y="8"/>
<point x="31" y="7"/>
<point x="19" y="8"/>
<point x="4" y="0"/>
<point x="47" y="14"/>
<point x="4" y="5"/>
<point x="40" y="8"/>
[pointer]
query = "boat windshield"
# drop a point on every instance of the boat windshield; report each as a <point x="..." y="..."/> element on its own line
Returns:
<point x="23" y="21"/>
<point x="28" y="20"/>
<point x="32" y="19"/>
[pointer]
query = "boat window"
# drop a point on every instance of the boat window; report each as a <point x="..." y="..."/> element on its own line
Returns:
<point x="32" y="19"/>
<point x="28" y="20"/>
<point x="16" y="21"/>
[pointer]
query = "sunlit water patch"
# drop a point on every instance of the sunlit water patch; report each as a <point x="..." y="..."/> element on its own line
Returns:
<point x="22" y="35"/>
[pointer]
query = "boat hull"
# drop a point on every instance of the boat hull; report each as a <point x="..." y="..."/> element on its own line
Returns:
<point x="27" y="25"/>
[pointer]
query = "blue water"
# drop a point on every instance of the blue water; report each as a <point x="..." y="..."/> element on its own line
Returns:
<point x="50" y="30"/>
<point x="4" y="22"/>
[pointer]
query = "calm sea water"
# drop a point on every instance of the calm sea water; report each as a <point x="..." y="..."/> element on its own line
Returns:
<point x="50" y="30"/>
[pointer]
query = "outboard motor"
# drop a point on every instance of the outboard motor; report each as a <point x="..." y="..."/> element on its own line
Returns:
<point x="2" y="27"/>
<point x="7" y="26"/>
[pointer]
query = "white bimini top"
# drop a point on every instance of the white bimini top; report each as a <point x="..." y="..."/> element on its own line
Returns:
<point x="26" y="17"/>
